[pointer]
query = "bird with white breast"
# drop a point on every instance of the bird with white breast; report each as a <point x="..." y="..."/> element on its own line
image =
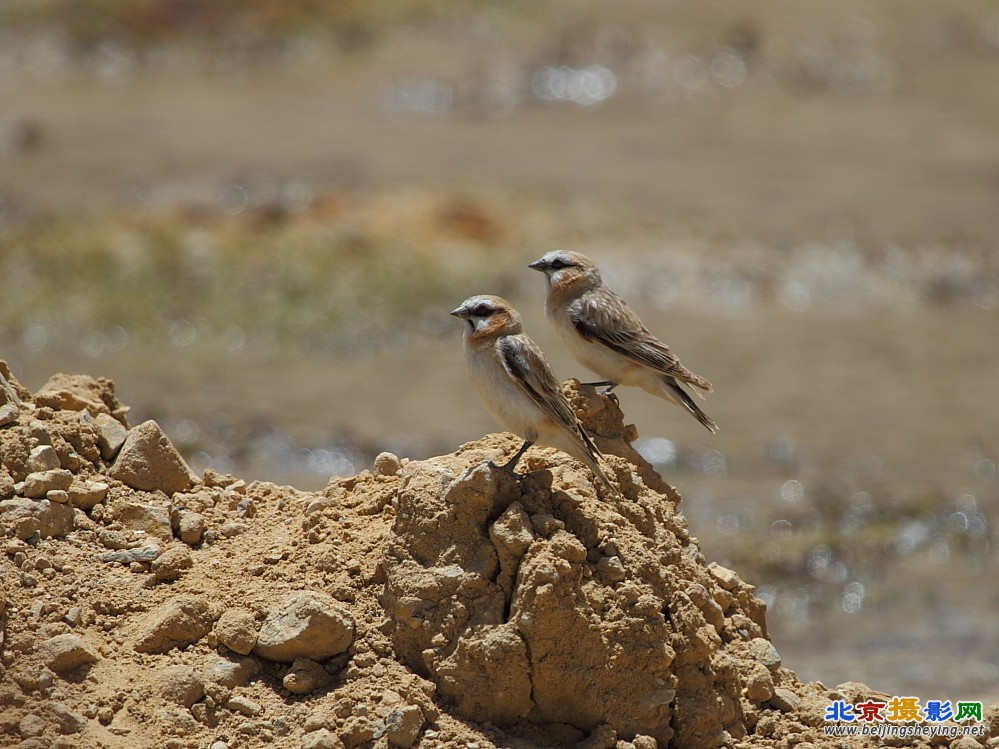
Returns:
<point x="605" y="335"/>
<point x="516" y="384"/>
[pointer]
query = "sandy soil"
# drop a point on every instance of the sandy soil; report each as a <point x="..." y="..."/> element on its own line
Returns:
<point x="856" y="122"/>
<point x="435" y="603"/>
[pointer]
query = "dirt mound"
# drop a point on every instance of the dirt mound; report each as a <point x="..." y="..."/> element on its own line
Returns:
<point x="438" y="603"/>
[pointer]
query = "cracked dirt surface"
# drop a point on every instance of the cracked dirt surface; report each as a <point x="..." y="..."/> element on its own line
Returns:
<point x="436" y="603"/>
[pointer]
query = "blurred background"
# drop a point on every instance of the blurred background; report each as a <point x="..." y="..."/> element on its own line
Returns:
<point x="254" y="217"/>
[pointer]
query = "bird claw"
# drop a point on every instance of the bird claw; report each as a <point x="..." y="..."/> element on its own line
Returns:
<point x="506" y="469"/>
<point x="607" y="385"/>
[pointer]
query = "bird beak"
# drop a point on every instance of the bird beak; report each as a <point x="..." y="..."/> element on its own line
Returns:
<point x="538" y="265"/>
<point x="460" y="312"/>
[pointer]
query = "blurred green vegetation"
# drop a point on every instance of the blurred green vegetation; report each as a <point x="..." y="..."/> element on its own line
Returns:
<point x="317" y="285"/>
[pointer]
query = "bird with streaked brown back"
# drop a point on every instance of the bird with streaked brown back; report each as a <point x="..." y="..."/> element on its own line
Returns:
<point x="603" y="333"/>
<point x="516" y="384"/>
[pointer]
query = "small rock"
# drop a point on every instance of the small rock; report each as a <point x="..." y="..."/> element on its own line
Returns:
<point x="237" y="630"/>
<point x="232" y="673"/>
<point x="87" y="494"/>
<point x="64" y="653"/>
<point x="176" y="623"/>
<point x="127" y="556"/>
<point x="39" y="432"/>
<point x="316" y="719"/>
<point x="306" y="625"/>
<point x="25" y="528"/>
<point x="74" y="616"/>
<point x="317" y="505"/>
<point x="181" y="685"/>
<point x="725" y="577"/>
<point x="153" y="520"/>
<point x="8" y="414"/>
<point x="759" y="683"/>
<point x="65" y="719"/>
<point x="31" y="725"/>
<point x="148" y="461"/>
<point x="171" y="563"/>
<point x="221" y="480"/>
<point x="785" y="700"/>
<point x="244" y="706"/>
<point x="110" y="539"/>
<point x="43" y="458"/>
<point x="111" y="435"/>
<point x="192" y="527"/>
<point x="199" y="500"/>
<point x="990" y="718"/>
<point x="321" y="739"/>
<point x="545" y="524"/>
<point x="232" y="528"/>
<point x="387" y="464"/>
<point x="305" y="676"/>
<point x="6" y="484"/>
<point x="356" y="730"/>
<point x="388" y="698"/>
<point x="611" y="569"/>
<point x="40" y="483"/>
<point x="764" y="652"/>
<point x="645" y="742"/>
<point x="403" y="726"/>
<point x="723" y="598"/>
<point x="75" y="393"/>
<point x="58" y="495"/>
<point x="52" y="520"/>
<point x="511" y="533"/>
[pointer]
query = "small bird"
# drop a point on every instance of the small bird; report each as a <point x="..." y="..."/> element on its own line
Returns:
<point x="516" y="384"/>
<point x="603" y="333"/>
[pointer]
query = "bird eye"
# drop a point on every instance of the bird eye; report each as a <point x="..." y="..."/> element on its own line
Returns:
<point x="482" y="310"/>
<point x="558" y="263"/>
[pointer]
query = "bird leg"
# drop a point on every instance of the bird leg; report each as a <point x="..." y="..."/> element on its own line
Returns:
<point x="510" y="464"/>
<point x="608" y="386"/>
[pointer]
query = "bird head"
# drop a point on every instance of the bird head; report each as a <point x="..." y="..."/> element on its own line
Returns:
<point x="486" y="314"/>
<point x="565" y="268"/>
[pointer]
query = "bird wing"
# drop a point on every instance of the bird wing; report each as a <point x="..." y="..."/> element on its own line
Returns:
<point x="526" y="364"/>
<point x="603" y="317"/>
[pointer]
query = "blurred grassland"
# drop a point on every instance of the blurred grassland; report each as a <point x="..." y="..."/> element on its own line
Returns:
<point x="331" y="282"/>
<point x="352" y="271"/>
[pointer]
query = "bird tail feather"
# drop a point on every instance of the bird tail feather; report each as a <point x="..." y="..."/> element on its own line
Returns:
<point x="684" y="399"/>
<point x="588" y="454"/>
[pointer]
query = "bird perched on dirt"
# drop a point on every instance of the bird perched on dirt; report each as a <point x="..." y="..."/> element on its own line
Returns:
<point x="516" y="384"/>
<point x="603" y="333"/>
